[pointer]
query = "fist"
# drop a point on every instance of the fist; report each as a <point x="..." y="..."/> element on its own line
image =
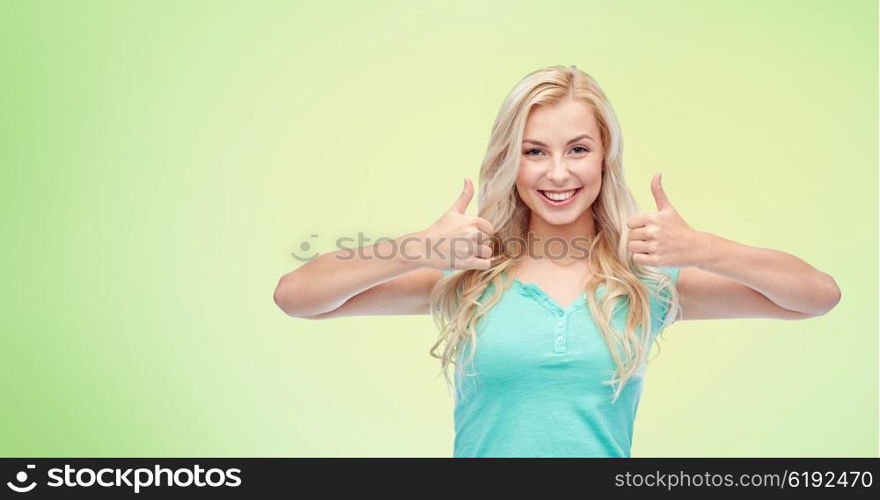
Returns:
<point x="457" y="240"/>
<point x="662" y="238"/>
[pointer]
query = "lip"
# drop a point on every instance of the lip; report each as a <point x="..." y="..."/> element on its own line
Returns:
<point x="559" y="203"/>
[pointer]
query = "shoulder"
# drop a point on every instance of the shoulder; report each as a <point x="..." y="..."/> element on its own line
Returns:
<point x="672" y="272"/>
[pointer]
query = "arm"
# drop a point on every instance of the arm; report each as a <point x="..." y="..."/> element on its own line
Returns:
<point x="732" y="280"/>
<point x="358" y="280"/>
<point x="390" y="277"/>
<point x="725" y="279"/>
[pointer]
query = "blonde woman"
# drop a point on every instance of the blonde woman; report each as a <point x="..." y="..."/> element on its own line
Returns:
<point x="549" y="300"/>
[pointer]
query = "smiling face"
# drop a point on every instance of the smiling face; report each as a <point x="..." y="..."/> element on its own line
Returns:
<point x="560" y="172"/>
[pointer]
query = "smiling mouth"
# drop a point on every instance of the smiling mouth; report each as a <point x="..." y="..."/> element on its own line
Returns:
<point x="558" y="196"/>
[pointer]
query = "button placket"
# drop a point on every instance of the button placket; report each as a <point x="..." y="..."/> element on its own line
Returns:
<point x="560" y="343"/>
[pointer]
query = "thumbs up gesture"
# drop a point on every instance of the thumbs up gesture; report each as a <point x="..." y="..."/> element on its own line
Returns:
<point x="457" y="240"/>
<point x="662" y="238"/>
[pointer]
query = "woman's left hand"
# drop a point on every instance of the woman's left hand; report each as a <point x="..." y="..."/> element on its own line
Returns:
<point x="663" y="238"/>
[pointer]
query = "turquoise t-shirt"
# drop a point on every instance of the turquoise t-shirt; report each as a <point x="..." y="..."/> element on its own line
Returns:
<point x="538" y="388"/>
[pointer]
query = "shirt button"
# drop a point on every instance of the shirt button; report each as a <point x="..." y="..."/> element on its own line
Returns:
<point x="560" y="313"/>
<point x="561" y="323"/>
<point x="560" y="338"/>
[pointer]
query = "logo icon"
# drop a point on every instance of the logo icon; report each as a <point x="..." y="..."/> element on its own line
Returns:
<point x="21" y="477"/>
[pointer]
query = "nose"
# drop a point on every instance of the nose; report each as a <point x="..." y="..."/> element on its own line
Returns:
<point x="558" y="172"/>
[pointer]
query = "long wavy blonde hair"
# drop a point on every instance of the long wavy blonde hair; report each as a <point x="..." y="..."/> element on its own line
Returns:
<point x="456" y="304"/>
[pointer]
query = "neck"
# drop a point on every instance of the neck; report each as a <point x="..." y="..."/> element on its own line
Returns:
<point x="564" y="244"/>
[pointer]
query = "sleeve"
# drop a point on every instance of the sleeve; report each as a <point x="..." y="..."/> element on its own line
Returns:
<point x="673" y="273"/>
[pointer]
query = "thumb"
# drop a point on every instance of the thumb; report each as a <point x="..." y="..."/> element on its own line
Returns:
<point x="464" y="198"/>
<point x="660" y="194"/>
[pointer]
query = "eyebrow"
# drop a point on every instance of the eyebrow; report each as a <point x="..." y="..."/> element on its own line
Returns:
<point x="539" y="143"/>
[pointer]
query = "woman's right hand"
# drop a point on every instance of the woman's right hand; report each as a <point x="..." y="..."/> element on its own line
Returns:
<point x="338" y="284"/>
<point x="457" y="240"/>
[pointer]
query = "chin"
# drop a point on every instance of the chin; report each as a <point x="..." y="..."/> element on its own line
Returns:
<point x="563" y="222"/>
<point x="560" y="219"/>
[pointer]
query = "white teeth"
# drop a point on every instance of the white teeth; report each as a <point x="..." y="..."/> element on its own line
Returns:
<point x="559" y="196"/>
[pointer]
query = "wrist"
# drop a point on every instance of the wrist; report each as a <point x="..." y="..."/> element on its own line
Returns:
<point x="410" y="250"/>
<point x="705" y="250"/>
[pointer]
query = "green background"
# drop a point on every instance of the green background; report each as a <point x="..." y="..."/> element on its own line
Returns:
<point x="160" y="161"/>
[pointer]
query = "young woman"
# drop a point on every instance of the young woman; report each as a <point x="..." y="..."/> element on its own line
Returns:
<point x="562" y="285"/>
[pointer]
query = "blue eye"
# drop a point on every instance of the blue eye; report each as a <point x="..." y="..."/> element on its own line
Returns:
<point x="529" y="152"/>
